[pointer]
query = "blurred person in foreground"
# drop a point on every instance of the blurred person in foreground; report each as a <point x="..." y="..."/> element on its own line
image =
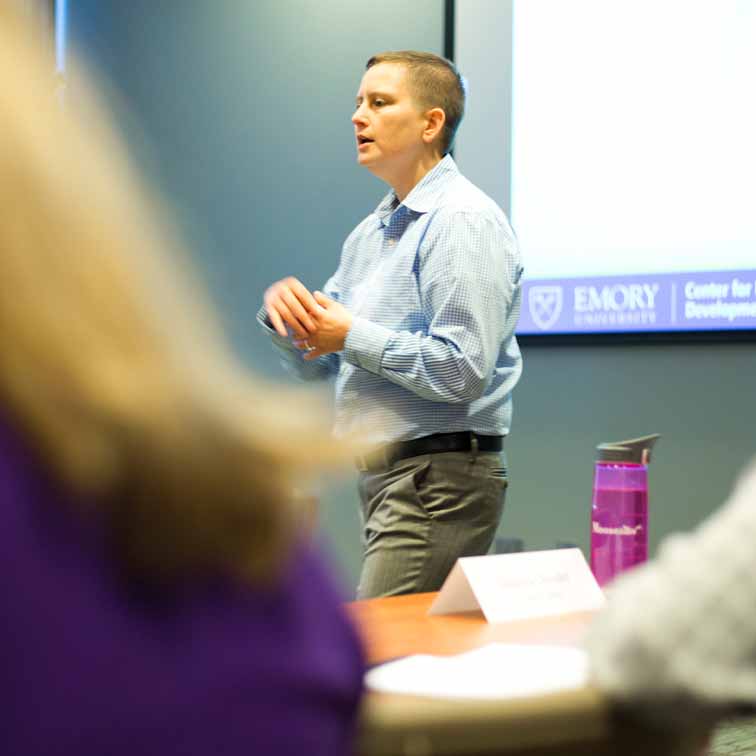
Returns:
<point x="677" y="641"/>
<point x="157" y="591"/>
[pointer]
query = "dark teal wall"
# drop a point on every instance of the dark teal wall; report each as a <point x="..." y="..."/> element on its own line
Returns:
<point x="700" y="397"/>
<point x="241" y="110"/>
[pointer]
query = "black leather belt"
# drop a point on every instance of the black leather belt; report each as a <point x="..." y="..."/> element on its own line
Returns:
<point x="438" y="442"/>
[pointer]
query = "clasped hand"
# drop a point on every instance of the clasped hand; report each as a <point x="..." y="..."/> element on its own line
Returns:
<point x="319" y="325"/>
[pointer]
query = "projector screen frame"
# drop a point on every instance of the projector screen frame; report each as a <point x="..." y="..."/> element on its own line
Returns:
<point x="487" y="160"/>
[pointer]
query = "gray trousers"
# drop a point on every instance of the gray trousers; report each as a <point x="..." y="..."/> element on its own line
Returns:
<point x="422" y="513"/>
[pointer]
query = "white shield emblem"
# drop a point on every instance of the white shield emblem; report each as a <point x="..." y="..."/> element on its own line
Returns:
<point x="545" y="303"/>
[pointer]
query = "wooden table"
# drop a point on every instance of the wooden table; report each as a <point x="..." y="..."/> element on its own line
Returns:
<point x="558" y="724"/>
<point x="401" y="626"/>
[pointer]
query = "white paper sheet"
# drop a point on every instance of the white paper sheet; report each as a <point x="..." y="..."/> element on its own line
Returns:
<point x="498" y="670"/>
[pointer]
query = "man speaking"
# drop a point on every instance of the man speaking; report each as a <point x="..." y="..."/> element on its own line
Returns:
<point x="417" y="326"/>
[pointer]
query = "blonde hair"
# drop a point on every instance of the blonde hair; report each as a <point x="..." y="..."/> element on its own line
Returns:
<point x="111" y="364"/>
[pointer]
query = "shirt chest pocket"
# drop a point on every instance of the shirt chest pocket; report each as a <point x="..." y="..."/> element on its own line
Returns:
<point x="391" y="296"/>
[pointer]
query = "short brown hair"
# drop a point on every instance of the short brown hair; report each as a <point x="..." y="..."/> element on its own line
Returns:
<point x="435" y="83"/>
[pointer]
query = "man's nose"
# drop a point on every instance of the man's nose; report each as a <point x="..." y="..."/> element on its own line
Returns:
<point x="358" y="117"/>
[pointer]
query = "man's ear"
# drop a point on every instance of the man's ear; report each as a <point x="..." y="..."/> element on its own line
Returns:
<point x="435" y="119"/>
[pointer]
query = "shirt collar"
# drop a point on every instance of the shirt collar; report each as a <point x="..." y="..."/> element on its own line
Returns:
<point x="424" y="194"/>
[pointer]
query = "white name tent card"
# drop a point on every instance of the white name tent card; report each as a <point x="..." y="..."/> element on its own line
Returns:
<point x="519" y="586"/>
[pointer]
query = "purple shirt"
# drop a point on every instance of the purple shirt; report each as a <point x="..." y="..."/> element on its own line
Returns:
<point x="92" y="666"/>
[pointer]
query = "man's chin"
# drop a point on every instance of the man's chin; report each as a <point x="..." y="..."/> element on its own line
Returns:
<point x="373" y="165"/>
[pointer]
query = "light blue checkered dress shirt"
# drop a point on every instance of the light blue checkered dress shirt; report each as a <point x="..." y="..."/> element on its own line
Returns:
<point x="433" y="284"/>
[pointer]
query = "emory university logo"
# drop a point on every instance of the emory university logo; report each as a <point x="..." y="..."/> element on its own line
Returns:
<point x="545" y="304"/>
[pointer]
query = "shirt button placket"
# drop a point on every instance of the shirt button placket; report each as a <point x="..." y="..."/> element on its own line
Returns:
<point x="394" y="229"/>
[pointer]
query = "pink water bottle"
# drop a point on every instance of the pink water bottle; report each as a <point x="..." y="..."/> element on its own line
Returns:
<point x="619" y="513"/>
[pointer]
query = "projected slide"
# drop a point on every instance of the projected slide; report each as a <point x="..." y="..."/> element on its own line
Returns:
<point x="634" y="164"/>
